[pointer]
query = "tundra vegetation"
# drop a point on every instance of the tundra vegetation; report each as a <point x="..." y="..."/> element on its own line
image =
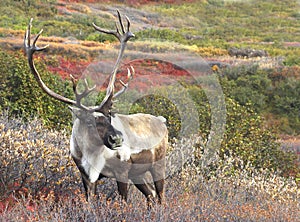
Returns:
<point x="254" y="179"/>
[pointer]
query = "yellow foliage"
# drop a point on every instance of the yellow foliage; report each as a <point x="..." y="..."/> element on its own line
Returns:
<point x="79" y="8"/>
<point x="211" y="51"/>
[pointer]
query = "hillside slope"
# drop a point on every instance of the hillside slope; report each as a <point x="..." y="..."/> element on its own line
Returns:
<point x="207" y="29"/>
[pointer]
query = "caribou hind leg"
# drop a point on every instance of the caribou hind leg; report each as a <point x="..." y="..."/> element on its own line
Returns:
<point x="159" y="186"/>
<point x="158" y="177"/>
<point x="147" y="191"/>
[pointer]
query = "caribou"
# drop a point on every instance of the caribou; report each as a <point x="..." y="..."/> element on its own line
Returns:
<point x="106" y="144"/>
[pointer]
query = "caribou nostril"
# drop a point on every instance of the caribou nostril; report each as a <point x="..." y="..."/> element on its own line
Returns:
<point x="111" y="140"/>
<point x="119" y="138"/>
<point x="115" y="141"/>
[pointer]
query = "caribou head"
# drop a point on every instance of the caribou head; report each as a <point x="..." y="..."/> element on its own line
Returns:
<point x="125" y="147"/>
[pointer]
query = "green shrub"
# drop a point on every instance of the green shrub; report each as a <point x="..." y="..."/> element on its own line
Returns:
<point x="78" y="26"/>
<point x="248" y="84"/>
<point x="292" y="60"/>
<point x="245" y="135"/>
<point x="274" y="91"/>
<point x="285" y="102"/>
<point x="16" y="14"/>
<point x="247" y="138"/>
<point x="21" y="96"/>
<point x="161" y="34"/>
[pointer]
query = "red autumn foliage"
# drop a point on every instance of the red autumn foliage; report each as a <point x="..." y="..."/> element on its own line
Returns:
<point x="65" y="68"/>
<point x="130" y="2"/>
<point x="147" y="72"/>
<point x="9" y="201"/>
<point x="153" y="72"/>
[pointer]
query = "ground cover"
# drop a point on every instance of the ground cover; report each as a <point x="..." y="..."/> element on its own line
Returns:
<point x="267" y="86"/>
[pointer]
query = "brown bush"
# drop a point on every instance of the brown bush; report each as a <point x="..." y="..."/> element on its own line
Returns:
<point x="40" y="183"/>
<point x="33" y="160"/>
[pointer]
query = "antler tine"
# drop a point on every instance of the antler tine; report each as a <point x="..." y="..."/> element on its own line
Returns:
<point x="27" y="35"/>
<point x="74" y="83"/>
<point x="128" y="23"/>
<point x="120" y="21"/>
<point x="121" y="36"/>
<point x="85" y="93"/>
<point x="115" y="33"/>
<point x="30" y="49"/>
<point x="125" y="85"/>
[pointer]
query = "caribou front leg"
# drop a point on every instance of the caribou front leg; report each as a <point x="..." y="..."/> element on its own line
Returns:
<point x="123" y="189"/>
<point x="121" y="175"/>
<point x="158" y="177"/>
<point x="89" y="188"/>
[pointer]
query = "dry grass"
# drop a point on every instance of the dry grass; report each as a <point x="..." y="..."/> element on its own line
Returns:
<point x="179" y="208"/>
<point x="40" y="183"/>
<point x="71" y="48"/>
<point x="208" y="201"/>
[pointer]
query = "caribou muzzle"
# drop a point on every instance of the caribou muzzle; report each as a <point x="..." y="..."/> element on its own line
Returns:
<point x="111" y="137"/>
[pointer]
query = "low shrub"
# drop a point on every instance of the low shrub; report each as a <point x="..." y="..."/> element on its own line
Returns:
<point x="34" y="161"/>
<point x="23" y="97"/>
<point x="284" y="102"/>
<point x="274" y="91"/>
<point x="245" y="133"/>
<point x="161" y="34"/>
<point x="247" y="138"/>
<point x="211" y="51"/>
<point x="40" y="182"/>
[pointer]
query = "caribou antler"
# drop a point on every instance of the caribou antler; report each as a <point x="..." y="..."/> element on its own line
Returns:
<point x="85" y="93"/>
<point x="30" y="50"/>
<point x="123" y="36"/>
